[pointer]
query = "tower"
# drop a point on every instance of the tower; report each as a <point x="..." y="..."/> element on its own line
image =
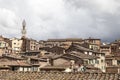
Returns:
<point x="23" y="38"/>
<point x="23" y="29"/>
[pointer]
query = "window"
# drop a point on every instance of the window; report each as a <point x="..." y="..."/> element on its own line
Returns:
<point x="102" y="61"/>
<point x="85" y="52"/>
<point x="86" y="62"/>
<point x="102" y="54"/>
<point x="103" y="67"/>
<point x="34" y="68"/>
<point x="47" y="53"/>
<point x="31" y="47"/>
<point x="91" y="61"/>
<point x="118" y="62"/>
<point x="90" y="53"/>
<point x="97" y="61"/>
<point x="5" y="44"/>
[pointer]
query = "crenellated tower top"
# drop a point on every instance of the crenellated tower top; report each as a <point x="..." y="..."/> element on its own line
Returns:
<point x="23" y="29"/>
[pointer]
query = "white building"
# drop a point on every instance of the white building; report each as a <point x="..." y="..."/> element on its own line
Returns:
<point x="16" y="45"/>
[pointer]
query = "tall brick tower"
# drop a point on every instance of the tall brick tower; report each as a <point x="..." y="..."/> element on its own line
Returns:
<point x="24" y="39"/>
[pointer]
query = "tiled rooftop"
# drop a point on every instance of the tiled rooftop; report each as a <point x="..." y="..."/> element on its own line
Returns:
<point x="82" y="56"/>
<point x="57" y="76"/>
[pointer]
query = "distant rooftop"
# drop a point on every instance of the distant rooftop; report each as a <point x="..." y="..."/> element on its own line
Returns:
<point x="67" y="39"/>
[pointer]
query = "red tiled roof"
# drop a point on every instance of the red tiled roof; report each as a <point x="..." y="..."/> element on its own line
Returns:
<point x="57" y="76"/>
<point x="5" y="62"/>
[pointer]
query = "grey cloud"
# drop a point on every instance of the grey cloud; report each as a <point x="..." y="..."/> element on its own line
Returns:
<point x="61" y="18"/>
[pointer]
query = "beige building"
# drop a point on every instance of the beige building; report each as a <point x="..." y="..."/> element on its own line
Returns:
<point x="31" y="45"/>
<point x="98" y="63"/>
<point x="64" y="43"/>
<point x="5" y="45"/>
<point x="16" y="45"/>
<point x="94" y="44"/>
<point x="105" y="49"/>
<point x="101" y="62"/>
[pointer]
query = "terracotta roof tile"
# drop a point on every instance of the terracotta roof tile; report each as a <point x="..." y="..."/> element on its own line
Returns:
<point x="57" y="76"/>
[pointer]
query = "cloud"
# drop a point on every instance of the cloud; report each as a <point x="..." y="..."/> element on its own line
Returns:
<point x="61" y="18"/>
<point x="8" y="22"/>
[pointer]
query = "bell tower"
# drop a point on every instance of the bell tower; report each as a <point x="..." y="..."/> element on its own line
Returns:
<point x="23" y="29"/>
<point x="23" y="38"/>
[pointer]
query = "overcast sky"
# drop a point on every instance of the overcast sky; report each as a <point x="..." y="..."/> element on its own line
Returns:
<point x="61" y="18"/>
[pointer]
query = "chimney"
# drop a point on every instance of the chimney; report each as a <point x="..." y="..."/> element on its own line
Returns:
<point x="64" y="52"/>
<point x="28" y="60"/>
<point x="72" y="64"/>
<point x="50" y="61"/>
